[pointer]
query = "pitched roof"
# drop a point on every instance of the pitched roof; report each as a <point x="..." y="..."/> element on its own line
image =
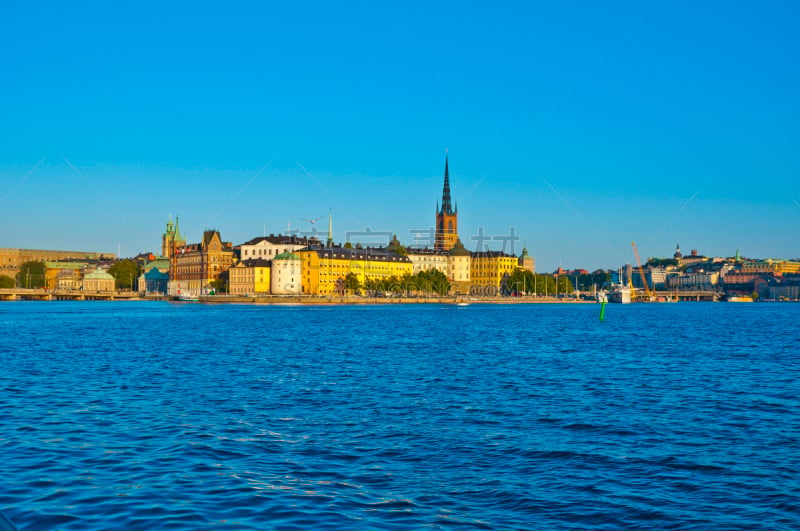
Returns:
<point x="368" y="253"/>
<point x="98" y="274"/>
<point x="255" y="262"/>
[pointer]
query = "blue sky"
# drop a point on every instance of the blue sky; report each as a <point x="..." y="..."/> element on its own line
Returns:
<point x="584" y="126"/>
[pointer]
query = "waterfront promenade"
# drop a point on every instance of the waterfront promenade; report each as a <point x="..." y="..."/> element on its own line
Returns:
<point x="21" y="294"/>
<point x="14" y="294"/>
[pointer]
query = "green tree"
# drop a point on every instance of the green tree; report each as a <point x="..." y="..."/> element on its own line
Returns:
<point x="6" y="282"/>
<point x="564" y="286"/>
<point x="661" y="262"/>
<point x="125" y="273"/>
<point x="433" y="280"/>
<point x="348" y="245"/>
<point x="600" y="277"/>
<point x="521" y="281"/>
<point x="351" y="283"/>
<point x="544" y="285"/>
<point x="409" y="283"/>
<point x="374" y="285"/>
<point x="31" y="275"/>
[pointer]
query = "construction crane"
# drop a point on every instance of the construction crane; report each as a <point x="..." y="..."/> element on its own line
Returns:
<point x="647" y="292"/>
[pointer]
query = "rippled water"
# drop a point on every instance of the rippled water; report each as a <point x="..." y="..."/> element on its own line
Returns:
<point x="158" y="415"/>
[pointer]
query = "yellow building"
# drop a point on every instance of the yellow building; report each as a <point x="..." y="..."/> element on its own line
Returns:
<point x="68" y="280"/>
<point x="322" y="268"/>
<point x="772" y="267"/>
<point x="250" y="277"/>
<point x="489" y="267"/>
<point x="53" y="272"/>
<point x="12" y="259"/>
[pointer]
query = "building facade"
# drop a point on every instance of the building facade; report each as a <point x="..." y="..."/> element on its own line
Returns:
<point x="427" y="260"/>
<point x="526" y="261"/>
<point x="325" y="268"/>
<point x="250" y="277"/>
<point x="12" y="259"/>
<point x="195" y="267"/>
<point x="154" y="282"/>
<point x="172" y="239"/>
<point x="69" y="280"/>
<point x="459" y="265"/>
<point x="287" y="274"/>
<point x="98" y="281"/>
<point x="487" y="268"/>
<point x="53" y="272"/>
<point x="268" y="247"/>
<point x="775" y="268"/>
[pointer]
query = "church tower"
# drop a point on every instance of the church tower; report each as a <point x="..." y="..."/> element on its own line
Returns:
<point x="171" y="239"/>
<point x="446" y="217"/>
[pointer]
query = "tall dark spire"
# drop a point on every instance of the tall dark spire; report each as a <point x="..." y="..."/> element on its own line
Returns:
<point x="446" y="203"/>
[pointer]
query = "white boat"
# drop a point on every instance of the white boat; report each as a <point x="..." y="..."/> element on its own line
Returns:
<point x="619" y="294"/>
<point x="188" y="297"/>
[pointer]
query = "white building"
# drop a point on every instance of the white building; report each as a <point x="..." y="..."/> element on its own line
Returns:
<point x="268" y="247"/>
<point x="285" y="278"/>
<point x="428" y="259"/>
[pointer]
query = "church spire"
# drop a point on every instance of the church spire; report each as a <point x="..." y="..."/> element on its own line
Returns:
<point x="447" y="207"/>
<point x="330" y="228"/>
<point x="177" y="236"/>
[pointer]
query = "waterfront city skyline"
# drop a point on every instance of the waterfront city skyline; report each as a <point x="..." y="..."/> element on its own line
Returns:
<point x="582" y="129"/>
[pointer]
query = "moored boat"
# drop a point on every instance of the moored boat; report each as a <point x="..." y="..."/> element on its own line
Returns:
<point x="619" y="294"/>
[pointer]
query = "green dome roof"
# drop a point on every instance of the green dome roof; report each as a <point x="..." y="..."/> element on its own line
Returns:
<point x="98" y="274"/>
<point x="287" y="256"/>
<point x="459" y="250"/>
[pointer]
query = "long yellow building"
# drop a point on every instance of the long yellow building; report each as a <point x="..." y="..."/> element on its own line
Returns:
<point x="323" y="267"/>
<point x="488" y="268"/>
<point x="772" y="267"/>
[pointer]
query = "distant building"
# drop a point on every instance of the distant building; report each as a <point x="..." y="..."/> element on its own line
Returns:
<point x="693" y="281"/>
<point x="527" y="262"/>
<point x="268" y="247"/>
<point x="427" y="260"/>
<point x="775" y="268"/>
<point x="324" y="268"/>
<point x="693" y="258"/>
<point x="250" y="277"/>
<point x="487" y="268"/>
<point x="68" y="280"/>
<point x="172" y="239"/>
<point x="782" y="292"/>
<point x="459" y="269"/>
<point x="12" y="259"/>
<point x="53" y="270"/>
<point x="154" y="282"/>
<point x="196" y="266"/>
<point x="446" y="217"/>
<point x="286" y="275"/>
<point x="98" y="281"/>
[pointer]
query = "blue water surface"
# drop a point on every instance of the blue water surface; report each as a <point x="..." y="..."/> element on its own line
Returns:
<point x="149" y="415"/>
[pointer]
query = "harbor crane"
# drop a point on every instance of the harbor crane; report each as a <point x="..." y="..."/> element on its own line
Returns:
<point x="647" y="291"/>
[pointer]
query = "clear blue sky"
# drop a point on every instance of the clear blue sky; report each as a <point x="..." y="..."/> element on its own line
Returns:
<point x="584" y="125"/>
